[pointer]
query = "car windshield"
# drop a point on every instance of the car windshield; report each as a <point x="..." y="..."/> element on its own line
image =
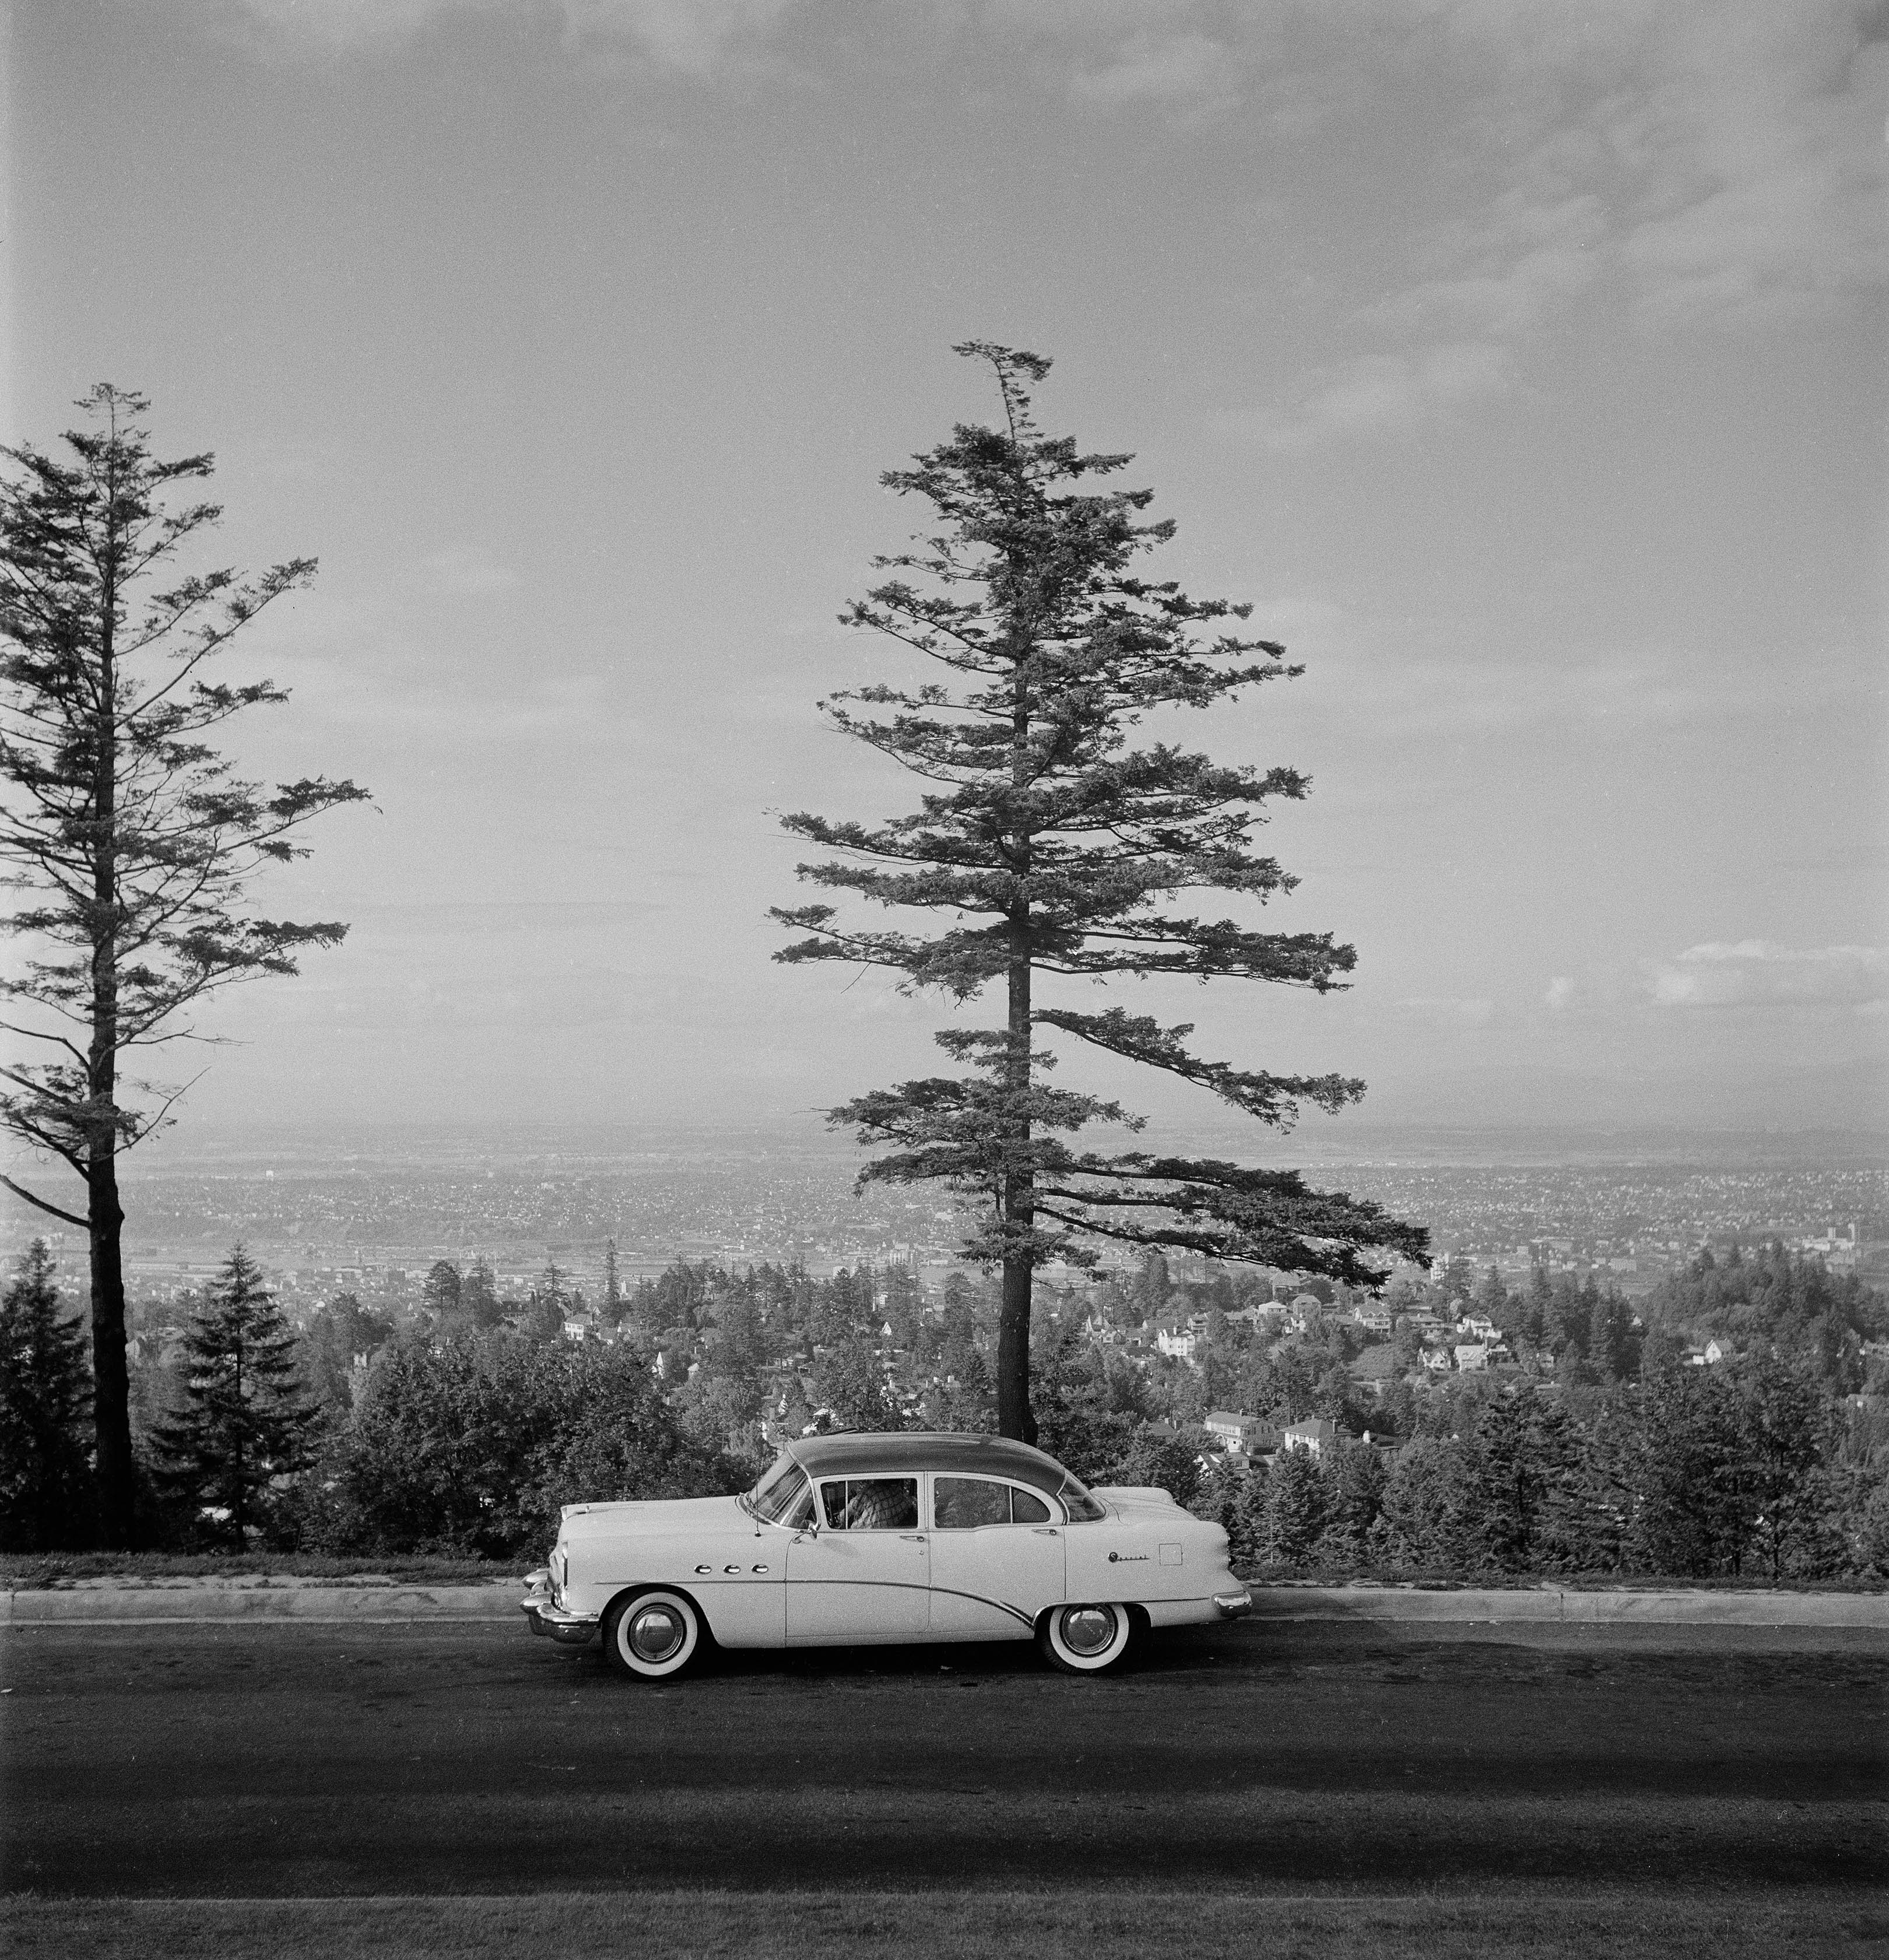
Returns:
<point x="1078" y="1506"/>
<point x="780" y="1495"/>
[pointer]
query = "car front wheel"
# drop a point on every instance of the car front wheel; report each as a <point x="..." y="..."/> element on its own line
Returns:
<point x="1086" y="1640"/>
<point x="652" y="1635"/>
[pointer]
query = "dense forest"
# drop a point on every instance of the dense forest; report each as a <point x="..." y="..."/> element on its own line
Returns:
<point x="1601" y="1440"/>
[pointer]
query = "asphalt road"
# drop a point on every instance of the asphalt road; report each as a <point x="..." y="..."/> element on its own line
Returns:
<point x="293" y="1760"/>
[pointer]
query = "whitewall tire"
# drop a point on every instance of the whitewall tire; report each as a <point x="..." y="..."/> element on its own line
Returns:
<point x="653" y="1635"/>
<point x="1087" y="1640"/>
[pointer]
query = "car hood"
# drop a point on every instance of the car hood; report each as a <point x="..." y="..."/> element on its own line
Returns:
<point x="658" y="1517"/>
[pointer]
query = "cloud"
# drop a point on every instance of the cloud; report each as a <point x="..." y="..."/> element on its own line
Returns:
<point x="692" y="37"/>
<point x="1379" y="392"/>
<point x="1179" y="70"/>
<point x="1757" y="972"/>
<point x="1561" y="993"/>
<point x="1686" y="166"/>
<point x="1756" y="165"/>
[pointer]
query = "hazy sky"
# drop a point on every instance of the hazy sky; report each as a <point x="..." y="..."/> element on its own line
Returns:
<point x="1523" y="363"/>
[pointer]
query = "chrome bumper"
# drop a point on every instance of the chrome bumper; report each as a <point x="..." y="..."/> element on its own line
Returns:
<point x="544" y="1616"/>
<point x="1231" y="1605"/>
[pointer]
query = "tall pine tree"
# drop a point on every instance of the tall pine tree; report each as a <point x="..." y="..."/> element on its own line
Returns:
<point x="128" y="836"/>
<point x="245" y="1420"/>
<point x="46" y="1391"/>
<point x="1051" y="846"/>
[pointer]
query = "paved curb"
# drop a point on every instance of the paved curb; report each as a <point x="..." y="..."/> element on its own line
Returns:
<point x="193" y="1601"/>
<point x="1553" y="1605"/>
<point x="174" y="1605"/>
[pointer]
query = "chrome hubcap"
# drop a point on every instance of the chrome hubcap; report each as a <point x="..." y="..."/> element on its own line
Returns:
<point x="656" y="1633"/>
<point x="1088" y="1630"/>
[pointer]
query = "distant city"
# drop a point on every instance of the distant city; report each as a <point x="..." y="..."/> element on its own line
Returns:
<point x="324" y="1219"/>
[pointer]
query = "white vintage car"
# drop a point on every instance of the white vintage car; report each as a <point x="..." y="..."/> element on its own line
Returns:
<point x="861" y="1539"/>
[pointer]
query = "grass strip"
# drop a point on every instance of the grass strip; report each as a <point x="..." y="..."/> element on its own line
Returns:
<point x="1073" y="1925"/>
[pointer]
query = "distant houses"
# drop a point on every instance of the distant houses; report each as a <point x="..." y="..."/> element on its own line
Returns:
<point x="1247" y="1436"/>
<point x="1253" y="1436"/>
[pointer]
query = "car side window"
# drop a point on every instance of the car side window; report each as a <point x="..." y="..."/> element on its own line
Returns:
<point x="967" y="1503"/>
<point x="870" y="1503"/>
<point x="963" y="1503"/>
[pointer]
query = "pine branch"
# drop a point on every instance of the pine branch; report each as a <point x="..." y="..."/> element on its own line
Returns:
<point x="70" y="1217"/>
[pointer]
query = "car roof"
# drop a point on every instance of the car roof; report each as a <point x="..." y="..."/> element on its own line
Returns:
<point x="898" y="1452"/>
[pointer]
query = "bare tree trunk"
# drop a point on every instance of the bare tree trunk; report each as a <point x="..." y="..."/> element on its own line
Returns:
<point x="1013" y="1416"/>
<point x="111" y="1376"/>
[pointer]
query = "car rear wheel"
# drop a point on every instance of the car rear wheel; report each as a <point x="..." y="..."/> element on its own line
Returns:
<point x="1087" y="1640"/>
<point x="653" y="1635"/>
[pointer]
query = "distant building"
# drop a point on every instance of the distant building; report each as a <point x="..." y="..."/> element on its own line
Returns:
<point x="1182" y="1343"/>
<point x="1471" y="1355"/>
<point x="1243" y="1435"/>
<point x="1314" y="1437"/>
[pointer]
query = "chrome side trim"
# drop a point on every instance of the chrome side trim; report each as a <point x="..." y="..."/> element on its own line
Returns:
<point x="1001" y="1605"/>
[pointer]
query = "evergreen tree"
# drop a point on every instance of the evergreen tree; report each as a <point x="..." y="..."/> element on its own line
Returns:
<point x="1691" y="1513"/>
<point x="1247" y="1530"/>
<point x="479" y="1297"/>
<point x="1787" y="1436"/>
<point x="1535" y="1316"/>
<point x="471" y="1448"/>
<point x="1150" y="1287"/>
<point x="1051" y="846"/>
<point x="1356" y="1479"/>
<point x="1617" y="1344"/>
<point x="849" y="1379"/>
<point x="245" y="1421"/>
<point x="45" y="1397"/>
<point x="343" y="1332"/>
<point x="1152" y="1462"/>
<point x="130" y="840"/>
<point x="1294" y="1519"/>
<point x="440" y="1296"/>
<point x="1522" y="1471"/>
<point x="1087" y="1422"/>
<point x="1429" y="1517"/>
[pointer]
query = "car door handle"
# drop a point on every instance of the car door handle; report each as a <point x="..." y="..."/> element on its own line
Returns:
<point x="913" y="1538"/>
<point x="1044" y="1531"/>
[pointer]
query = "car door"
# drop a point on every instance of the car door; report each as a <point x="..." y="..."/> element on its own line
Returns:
<point x="864" y="1575"/>
<point x="997" y="1559"/>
